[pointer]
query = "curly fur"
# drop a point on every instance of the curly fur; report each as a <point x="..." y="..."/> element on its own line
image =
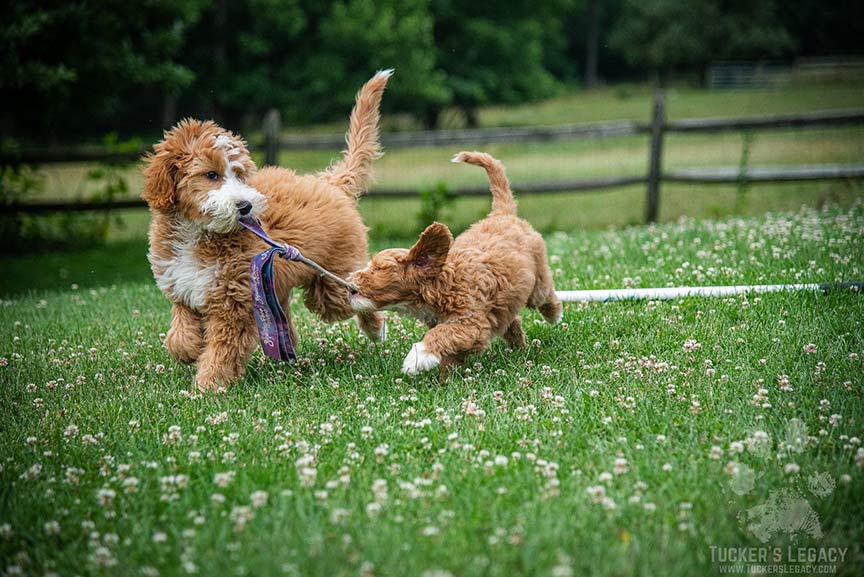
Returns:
<point x="469" y="290"/>
<point x="198" y="181"/>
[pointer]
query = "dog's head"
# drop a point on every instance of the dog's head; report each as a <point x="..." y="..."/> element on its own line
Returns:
<point x="199" y="173"/>
<point x="395" y="277"/>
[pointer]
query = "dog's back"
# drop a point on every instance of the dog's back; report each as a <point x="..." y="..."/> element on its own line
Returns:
<point x="502" y="234"/>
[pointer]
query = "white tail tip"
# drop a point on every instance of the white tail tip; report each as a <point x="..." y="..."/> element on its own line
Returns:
<point x="387" y="73"/>
<point x="457" y="158"/>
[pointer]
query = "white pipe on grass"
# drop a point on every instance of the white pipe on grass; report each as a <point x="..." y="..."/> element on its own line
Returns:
<point x="696" y="291"/>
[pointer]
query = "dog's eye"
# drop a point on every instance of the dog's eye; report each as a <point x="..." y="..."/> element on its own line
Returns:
<point x="213" y="175"/>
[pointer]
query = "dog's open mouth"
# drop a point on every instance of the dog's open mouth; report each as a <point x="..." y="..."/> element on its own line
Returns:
<point x="248" y="220"/>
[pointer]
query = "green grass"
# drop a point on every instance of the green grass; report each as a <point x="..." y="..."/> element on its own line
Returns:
<point x="611" y="398"/>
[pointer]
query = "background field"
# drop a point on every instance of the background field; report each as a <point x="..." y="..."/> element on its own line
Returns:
<point x="620" y="442"/>
<point x="529" y="162"/>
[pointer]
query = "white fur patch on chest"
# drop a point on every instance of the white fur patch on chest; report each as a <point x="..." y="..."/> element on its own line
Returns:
<point x="184" y="277"/>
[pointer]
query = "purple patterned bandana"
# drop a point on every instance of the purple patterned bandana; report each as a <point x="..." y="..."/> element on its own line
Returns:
<point x="269" y="316"/>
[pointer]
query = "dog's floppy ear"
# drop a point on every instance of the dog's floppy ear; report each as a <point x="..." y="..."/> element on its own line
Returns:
<point x="430" y="251"/>
<point x="160" y="177"/>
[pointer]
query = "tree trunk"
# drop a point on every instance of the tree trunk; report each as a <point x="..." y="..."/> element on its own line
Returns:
<point x="592" y="44"/>
<point x="471" y="120"/>
<point x="169" y="110"/>
<point x="431" y="117"/>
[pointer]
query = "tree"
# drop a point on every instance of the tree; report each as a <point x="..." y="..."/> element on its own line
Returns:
<point x="667" y="35"/>
<point x="308" y="58"/>
<point x="493" y="55"/>
<point x="68" y="67"/>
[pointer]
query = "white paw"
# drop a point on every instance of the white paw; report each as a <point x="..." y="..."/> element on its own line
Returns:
<point x="382" y="332"/>
<point x="558" y="317"/>
<point x="419" y="359"/>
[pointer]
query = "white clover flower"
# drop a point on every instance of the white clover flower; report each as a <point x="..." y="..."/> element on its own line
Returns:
<point x="259" y="499"/>
<point x="222" y="480"/>
<point x="51" y="527"/>
<point x="373" y="509"/>
<point x="105" y="497"/>
<point x="130" y="485"/>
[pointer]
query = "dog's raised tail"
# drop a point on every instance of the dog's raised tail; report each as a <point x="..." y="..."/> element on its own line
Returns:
<point x="502" y="197"/>
<point x="351" y="173"/>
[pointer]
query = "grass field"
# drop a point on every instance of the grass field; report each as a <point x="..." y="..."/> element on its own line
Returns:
<point x="647" y="438"/>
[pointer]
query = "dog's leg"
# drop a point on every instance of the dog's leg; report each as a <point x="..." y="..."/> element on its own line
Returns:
<point x="514" y="335"/>
<point x="230" y="338"/>
<point x="449" y="364"/>
<point x="543" y="298"/>
<point x="285" y="301"/>
<point x="374" y="325"/>
<point x="185" y="339"/>
<point x="450" y="339"/>
<point x="331" y="302"/>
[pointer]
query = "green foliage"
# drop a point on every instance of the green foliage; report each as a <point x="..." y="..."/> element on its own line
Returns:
<point x="22" y="232"/>
<point x="17" y="182"/>
<point x="83" y="68"/>
<point x="433" y="199"/>
<point x="494" y="56"/>
<point x="67" y="66"/>
<point x="743" y="184"/>
<point x="665" y="35"/>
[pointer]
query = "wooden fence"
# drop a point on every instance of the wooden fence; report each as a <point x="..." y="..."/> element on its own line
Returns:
<point x="273" y="142"/>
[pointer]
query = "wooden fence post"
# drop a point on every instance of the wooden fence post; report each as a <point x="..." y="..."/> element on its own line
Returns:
<point x="271" y="137"/>
<point x="655" y="162"/>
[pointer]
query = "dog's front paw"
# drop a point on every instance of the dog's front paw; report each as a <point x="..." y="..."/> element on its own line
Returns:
<point x="216" y="375"/>
<point x="210" y="381"/>
<point x="419" y="360"/>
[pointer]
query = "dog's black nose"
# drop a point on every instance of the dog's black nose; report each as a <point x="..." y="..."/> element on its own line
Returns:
<point x="244" y="207"/>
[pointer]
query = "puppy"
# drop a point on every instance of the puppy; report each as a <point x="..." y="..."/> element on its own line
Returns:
<point x="198" y="181"/>
<point x="468" y="290"/>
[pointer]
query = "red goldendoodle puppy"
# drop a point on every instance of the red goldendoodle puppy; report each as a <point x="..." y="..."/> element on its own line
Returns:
<point x="468" y="290"/>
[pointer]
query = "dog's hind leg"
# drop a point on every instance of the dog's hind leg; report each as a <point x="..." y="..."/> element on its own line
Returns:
<point x="515" y="335"/>
<point x="543" y="298"/>
<point x="185" y="339"/>
<point x="331" y="302"/>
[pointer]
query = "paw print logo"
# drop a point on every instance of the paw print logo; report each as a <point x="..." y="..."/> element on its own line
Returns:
<point x="786" y="511"/>
<point x="821" y="484"/>
<point x="742" y="479"/>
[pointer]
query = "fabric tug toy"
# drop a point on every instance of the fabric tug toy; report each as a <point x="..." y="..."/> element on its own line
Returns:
<point x="269" y="316"/>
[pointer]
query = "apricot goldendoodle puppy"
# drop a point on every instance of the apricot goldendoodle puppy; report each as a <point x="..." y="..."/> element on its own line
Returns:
<point x="199" y="181"/>
<point x="468" y="290"/>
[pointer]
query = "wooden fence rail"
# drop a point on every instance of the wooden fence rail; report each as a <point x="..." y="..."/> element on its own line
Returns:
<point x="273" y="143"/>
